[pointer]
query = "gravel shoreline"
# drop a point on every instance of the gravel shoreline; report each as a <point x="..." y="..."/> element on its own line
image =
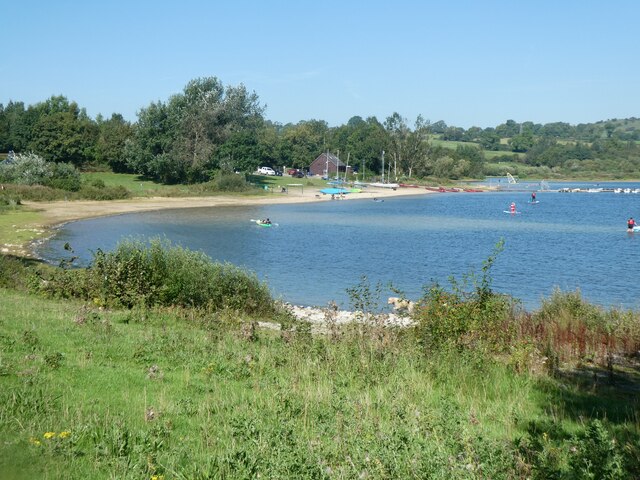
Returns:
<point x="324" y="316"/>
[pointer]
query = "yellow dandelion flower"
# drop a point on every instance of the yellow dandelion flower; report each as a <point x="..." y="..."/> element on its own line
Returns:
<point x="34" y="441"/>
<point x="64" y="434"/>
<point x="49" y="435"/>
<point x="157" y="477"/>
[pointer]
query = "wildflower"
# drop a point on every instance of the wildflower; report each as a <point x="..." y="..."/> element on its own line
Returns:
<point x="34" y="441"/>
<point x="64" y="434"/>
<point x="49" y="435"/>
<point x="157" y="477"/>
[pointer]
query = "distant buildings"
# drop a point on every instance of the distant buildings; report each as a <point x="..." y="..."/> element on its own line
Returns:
<point x="327" y="164"/>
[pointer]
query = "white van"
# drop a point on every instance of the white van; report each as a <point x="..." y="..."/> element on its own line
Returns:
<point x="266" y="171"/>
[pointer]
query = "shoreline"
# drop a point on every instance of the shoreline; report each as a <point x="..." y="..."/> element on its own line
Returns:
<point x="61" y="212"/>
<point x="58" y="213"/>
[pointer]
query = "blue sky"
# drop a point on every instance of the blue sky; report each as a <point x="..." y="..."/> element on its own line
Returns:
<point x="469" y="63"/>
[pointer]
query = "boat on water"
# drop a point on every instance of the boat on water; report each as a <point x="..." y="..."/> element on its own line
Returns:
<point x="263" y="223"/>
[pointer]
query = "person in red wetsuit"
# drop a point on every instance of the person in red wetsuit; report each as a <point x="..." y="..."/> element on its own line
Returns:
<point x="513" y="207"/>
<point x="630" y="224"/>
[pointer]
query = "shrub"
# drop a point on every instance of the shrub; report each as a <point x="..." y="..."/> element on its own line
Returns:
<point x="93" y="192"/>
<point x="34" y="192"/>
<point x="65" y="177"/>
<point x="230" y="182"/>
<point x="26" y="169"/>
<point x="464" y="317"/>
<point x="31" y="169"/>
<point x="160" y="274"/>
<point x="12" y="271"/>
<point x="8" y="199"/>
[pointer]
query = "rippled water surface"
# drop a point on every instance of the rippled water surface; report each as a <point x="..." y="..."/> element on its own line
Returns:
<point x="318" y="250"/>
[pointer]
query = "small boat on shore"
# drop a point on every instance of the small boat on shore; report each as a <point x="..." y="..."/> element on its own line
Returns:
<point x="334" y="191"/>
<point x="393" y="186"/>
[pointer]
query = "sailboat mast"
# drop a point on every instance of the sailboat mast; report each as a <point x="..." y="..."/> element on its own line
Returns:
<point x="382" y="166"/>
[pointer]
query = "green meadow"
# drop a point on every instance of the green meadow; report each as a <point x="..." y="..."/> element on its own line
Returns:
<point x="103" y="374"/>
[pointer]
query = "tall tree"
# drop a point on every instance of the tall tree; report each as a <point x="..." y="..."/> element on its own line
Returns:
<point x="63" y="132"/>
<point x="177" y="141"/>
<point x="112" y="138"/>
<point x="396" y="127"/>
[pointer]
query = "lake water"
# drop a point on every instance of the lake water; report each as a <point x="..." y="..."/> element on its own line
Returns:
<point x="318" y="250"/>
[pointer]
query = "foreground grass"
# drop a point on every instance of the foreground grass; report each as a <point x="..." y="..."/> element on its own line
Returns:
<point x="88" y="393"/>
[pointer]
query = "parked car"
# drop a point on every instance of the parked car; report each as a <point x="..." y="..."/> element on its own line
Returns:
<point x="297" y="173"/>
<point x="292" y="171"/>
<point x="266" y="171"/>
<point x="278" y="173"/>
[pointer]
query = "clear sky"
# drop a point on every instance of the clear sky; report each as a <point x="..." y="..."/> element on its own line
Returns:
<point x="469" y="63"/>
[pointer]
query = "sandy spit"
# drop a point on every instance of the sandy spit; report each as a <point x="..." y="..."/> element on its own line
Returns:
<point x="59" y="212"/>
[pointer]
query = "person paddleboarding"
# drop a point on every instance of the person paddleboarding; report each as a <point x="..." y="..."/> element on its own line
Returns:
<point x="631" y="223"/>
<point x="533" y="197"/>
<point x="512" y="207"/>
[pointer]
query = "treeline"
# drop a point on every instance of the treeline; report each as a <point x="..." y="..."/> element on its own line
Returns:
<point x="209" y="127"/>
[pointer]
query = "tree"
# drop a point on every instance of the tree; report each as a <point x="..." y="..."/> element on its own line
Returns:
<point x="438" y="127"/>
<point x="508" y="129"/>
<point x="398" y="131"/>
<point x="110" y="146"/>
<point x="475" y="158"/>
<point x="489" y="139"/>
<point x="522" y="142"/>
<point x="455" y="134"/>
<point x="418" y="146"/>
<point x="178" y="141"/>
<point x="63" y="133"/>
<point x="303" y="142"/>
<point x="152" y="138"/>
<point x="13" y="129"/>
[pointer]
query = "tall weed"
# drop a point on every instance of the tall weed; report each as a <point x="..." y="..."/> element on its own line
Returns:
<point x="571" y="329"/>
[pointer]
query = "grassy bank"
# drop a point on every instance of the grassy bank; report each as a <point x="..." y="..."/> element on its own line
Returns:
<point x="91" y="390"/>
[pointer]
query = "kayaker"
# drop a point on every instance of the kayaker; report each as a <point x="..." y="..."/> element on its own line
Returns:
<point x="630" y="224"/>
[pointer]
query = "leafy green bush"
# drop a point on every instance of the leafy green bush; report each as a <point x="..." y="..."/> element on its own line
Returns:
<point x="475" y="317"/>
<point x="591" y="453"/>
<point x="230" y="182"/>
<point x="160" y="274"/>
<point x="65" y="177"/>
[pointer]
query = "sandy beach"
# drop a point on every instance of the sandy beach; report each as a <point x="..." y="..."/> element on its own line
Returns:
<point x="59" y="212"/>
